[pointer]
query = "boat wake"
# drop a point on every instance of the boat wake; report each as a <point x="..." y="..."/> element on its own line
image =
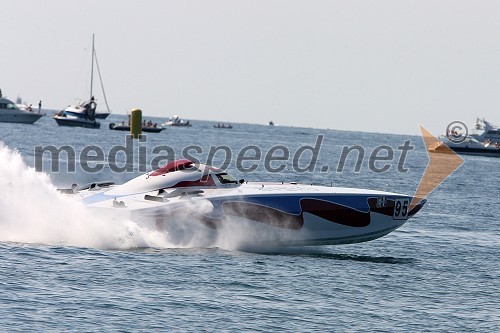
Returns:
<point x="33" y="211"/>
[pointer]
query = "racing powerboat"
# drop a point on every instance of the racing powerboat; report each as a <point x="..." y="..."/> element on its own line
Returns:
<point x="189" y="200"/>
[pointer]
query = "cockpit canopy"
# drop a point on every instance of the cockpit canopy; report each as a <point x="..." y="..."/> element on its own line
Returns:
<point x="185" y="164"/>
<point x="176" y="174"/>
<point x="173" y="166"/>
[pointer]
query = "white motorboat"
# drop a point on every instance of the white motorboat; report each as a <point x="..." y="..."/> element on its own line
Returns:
<point x="190" y="200"/>
<point x="87" y="119"/>
<point x="484" y="140"/>
<point x="11" y="113"/>
<point x="176" y="121"/>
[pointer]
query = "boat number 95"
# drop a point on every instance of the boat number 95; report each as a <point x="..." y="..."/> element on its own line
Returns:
<point x="401" y="209"/>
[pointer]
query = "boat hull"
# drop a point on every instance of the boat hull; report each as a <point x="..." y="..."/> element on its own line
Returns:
<point x="98" y="115"/>
<point x="319" y="221"/>
<point x="21" y="118"/>
<point x="473" y="148"/>
<point x="176" y="125"/>
<point x="114" y="127"/>
<point x="274" y="218"/>
<point x="489" y="152"/>
<point x="248" y="232"/>
<point x="77" y="122"/>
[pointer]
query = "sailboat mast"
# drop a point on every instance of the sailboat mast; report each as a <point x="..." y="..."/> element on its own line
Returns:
<point x="92" y="68"/>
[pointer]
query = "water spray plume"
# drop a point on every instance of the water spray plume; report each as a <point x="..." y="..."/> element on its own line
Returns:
<point x="33" y="211"/>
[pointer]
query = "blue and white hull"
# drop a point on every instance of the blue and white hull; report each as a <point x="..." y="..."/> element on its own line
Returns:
<point x="197" y="202"/>
<point x="304" y="219"/>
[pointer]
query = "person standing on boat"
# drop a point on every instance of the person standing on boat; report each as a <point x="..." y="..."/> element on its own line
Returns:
<point x="39" y="106"/>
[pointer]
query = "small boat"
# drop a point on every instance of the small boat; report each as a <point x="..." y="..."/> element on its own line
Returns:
<point x="484" y="140"/>
<point x="79" y="109"/>
<point x="271" y="123"/>
<point x="190" y="200"/>
<point x="219" y="125"/>
<point x="147" y="129"/>
<point x="86" y="119"/>
<point x="176" y="121"/>
<point x="11" y="113"/>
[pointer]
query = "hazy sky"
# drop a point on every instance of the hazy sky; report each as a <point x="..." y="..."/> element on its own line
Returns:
<point x="379" y="66"/>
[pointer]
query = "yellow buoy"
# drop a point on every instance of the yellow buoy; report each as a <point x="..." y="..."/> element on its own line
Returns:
<point x="136" y="123"/>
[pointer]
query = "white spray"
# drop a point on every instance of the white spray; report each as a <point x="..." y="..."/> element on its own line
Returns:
<point x="33" y="211"/>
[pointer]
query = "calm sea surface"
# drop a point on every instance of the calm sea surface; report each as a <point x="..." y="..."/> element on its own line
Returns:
<point x="62" y="269"/>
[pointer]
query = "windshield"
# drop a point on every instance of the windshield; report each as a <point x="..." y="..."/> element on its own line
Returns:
<point x="224" y="178"/>
<point x="7" y="106"/>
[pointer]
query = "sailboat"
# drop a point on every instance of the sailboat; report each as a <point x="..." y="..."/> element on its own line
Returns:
<point x="84" y="114"/>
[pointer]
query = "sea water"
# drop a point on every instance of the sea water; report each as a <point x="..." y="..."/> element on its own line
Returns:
<point x="65" y="268"/>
